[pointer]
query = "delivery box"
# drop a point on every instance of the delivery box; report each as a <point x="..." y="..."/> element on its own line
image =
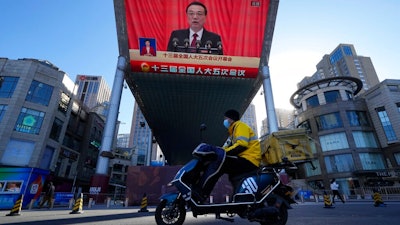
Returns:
<point x="292" y="144"/>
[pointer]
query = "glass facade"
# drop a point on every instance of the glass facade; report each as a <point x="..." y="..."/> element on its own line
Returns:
<point x="339" y="163"/>
<point x="357" y="118"/>
<point x="332" y="96"/>
<point x="333" y="141"/>
<point x="3" y="109"/>
<point x="39" y="93"/>
<point x="312" y="101"/>
<point x="56" y="129"/>
<point x="372" y="161"/>
<point x="364" y="139"/>
<point x="329" y="121"/>
<point x="386" y="124"/>
<point x="7" y="86"/>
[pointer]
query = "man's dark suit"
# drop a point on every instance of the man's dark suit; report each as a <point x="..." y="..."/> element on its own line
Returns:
<point x="181" y="35"/>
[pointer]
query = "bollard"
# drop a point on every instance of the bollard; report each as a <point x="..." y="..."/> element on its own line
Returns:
<point x="227" y="198"/>
<point x="108" y="202"/>
<point x="143" y="204"/>
<point x="31" y="204"/>
<point x="71" y="203"/>
<point x="316" y="198"/>
<point x="77" y="209"/>
<point x="327" y="201"/>
<point x="16" y="209"/>
<point x="51" y="202"/>
<point x="211" y="199"/>
<point x="126" y="202"/>
<point x="90" y="203"/>
<point x="378" y="202"/>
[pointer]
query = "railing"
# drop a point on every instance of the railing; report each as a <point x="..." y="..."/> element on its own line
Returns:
<point x="362" y="193"/>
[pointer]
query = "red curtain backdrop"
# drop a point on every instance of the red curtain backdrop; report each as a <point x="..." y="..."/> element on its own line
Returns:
<point x="240" y="23"/>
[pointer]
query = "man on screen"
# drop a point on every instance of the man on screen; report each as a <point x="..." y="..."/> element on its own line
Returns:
<point x="196" y="38"/>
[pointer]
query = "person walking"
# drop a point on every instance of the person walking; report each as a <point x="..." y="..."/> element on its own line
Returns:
<point x="49" y="196"/>
<point x="335" y="191"/>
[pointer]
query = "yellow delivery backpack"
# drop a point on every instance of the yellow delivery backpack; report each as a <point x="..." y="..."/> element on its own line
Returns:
<point x="292" y="144"/>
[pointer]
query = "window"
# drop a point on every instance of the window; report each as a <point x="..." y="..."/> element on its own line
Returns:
<point x="347" y="50"/>
<point x="29" y="121"/>
<point x="56" y="129"/>
<point x="334" y="141"/>
<point x="349" y="95"/>
<point x="372" y="161"/>
<point x="39" y="93"/>
<point x="3" y="109"/>
<point x="393" y="88"/>
<point x="64" y="102"/>
<point x="329" y="121"/>
<point x="312" y="101"/>
<point x="339" y="163"/>
<point x="398" y="107"/>
<point x="7" y="86"/>
<point x="331" y="96"/>
<point x="397" y="157"/>
<point x="357" y="118"/>
<point x="305" y="125"/>
<point x="364" y="139"/>
<point x="45" y="162"/>
<point x="386" y="125"/>
<point x="310" y="171"/>
<point x="18" y="153"/>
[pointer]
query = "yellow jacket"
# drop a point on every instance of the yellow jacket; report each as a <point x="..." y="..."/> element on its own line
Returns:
<point x="244" y="143"/>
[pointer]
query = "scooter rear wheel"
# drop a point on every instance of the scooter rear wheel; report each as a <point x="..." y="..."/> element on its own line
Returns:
<point x="281" y="218"/>
<point x="174" y="214"/>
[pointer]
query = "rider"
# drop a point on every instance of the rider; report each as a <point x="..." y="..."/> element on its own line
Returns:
<point x="243" y="151"/>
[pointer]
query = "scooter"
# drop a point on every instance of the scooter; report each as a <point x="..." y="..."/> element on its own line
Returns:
<point x="259" y="196"/>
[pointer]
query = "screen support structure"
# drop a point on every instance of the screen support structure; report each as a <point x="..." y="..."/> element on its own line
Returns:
<point x="111" y="121"/>
<point x="269" y="100"/>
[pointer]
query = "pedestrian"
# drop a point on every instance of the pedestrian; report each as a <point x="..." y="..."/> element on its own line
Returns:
<point x="49" y="196"/>
<point x="335" y="191"/>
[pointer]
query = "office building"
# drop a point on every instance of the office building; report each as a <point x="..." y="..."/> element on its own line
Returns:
<point x="383" y="102"/>
<point x="34" y="100"/>
<point x="354" y="129"/>
<point x="93" y="92"/>
<point x="344" y="62"/>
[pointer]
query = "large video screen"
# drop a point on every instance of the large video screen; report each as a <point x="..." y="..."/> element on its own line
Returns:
<point x="228" y="41"/>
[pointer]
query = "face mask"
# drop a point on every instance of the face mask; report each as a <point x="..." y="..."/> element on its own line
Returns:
<point x="226" y="123"/>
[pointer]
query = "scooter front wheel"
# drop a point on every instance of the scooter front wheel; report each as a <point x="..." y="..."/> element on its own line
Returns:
<point x="173" y="214"/>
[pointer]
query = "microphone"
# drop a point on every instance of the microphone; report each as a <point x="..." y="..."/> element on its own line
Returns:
<point x="219" y="44"/>
<point x="198" y="43"/>
<point x="175" y="42"/>
<point x="186" y="42"/>
<point x="208" y="44"/>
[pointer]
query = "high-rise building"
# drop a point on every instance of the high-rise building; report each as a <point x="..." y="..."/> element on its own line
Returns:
<point x="93" y="92"/>
<point x="141" y="139"/>
<point x="344" y="62"/>
<point x="123" y="140"/>
<point x="285" y="119"/>
<point x="250" y="118"/>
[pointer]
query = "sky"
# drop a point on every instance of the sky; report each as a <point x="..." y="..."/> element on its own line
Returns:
<point x="79" y="37"/>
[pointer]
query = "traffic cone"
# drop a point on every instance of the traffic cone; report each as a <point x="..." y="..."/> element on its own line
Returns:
<point x="143" y="204"/>
<point x="327" y="201"/>
<point x="16" y="209"/>
<point x="378" y="202"/>
<point x="77" y="209"/>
